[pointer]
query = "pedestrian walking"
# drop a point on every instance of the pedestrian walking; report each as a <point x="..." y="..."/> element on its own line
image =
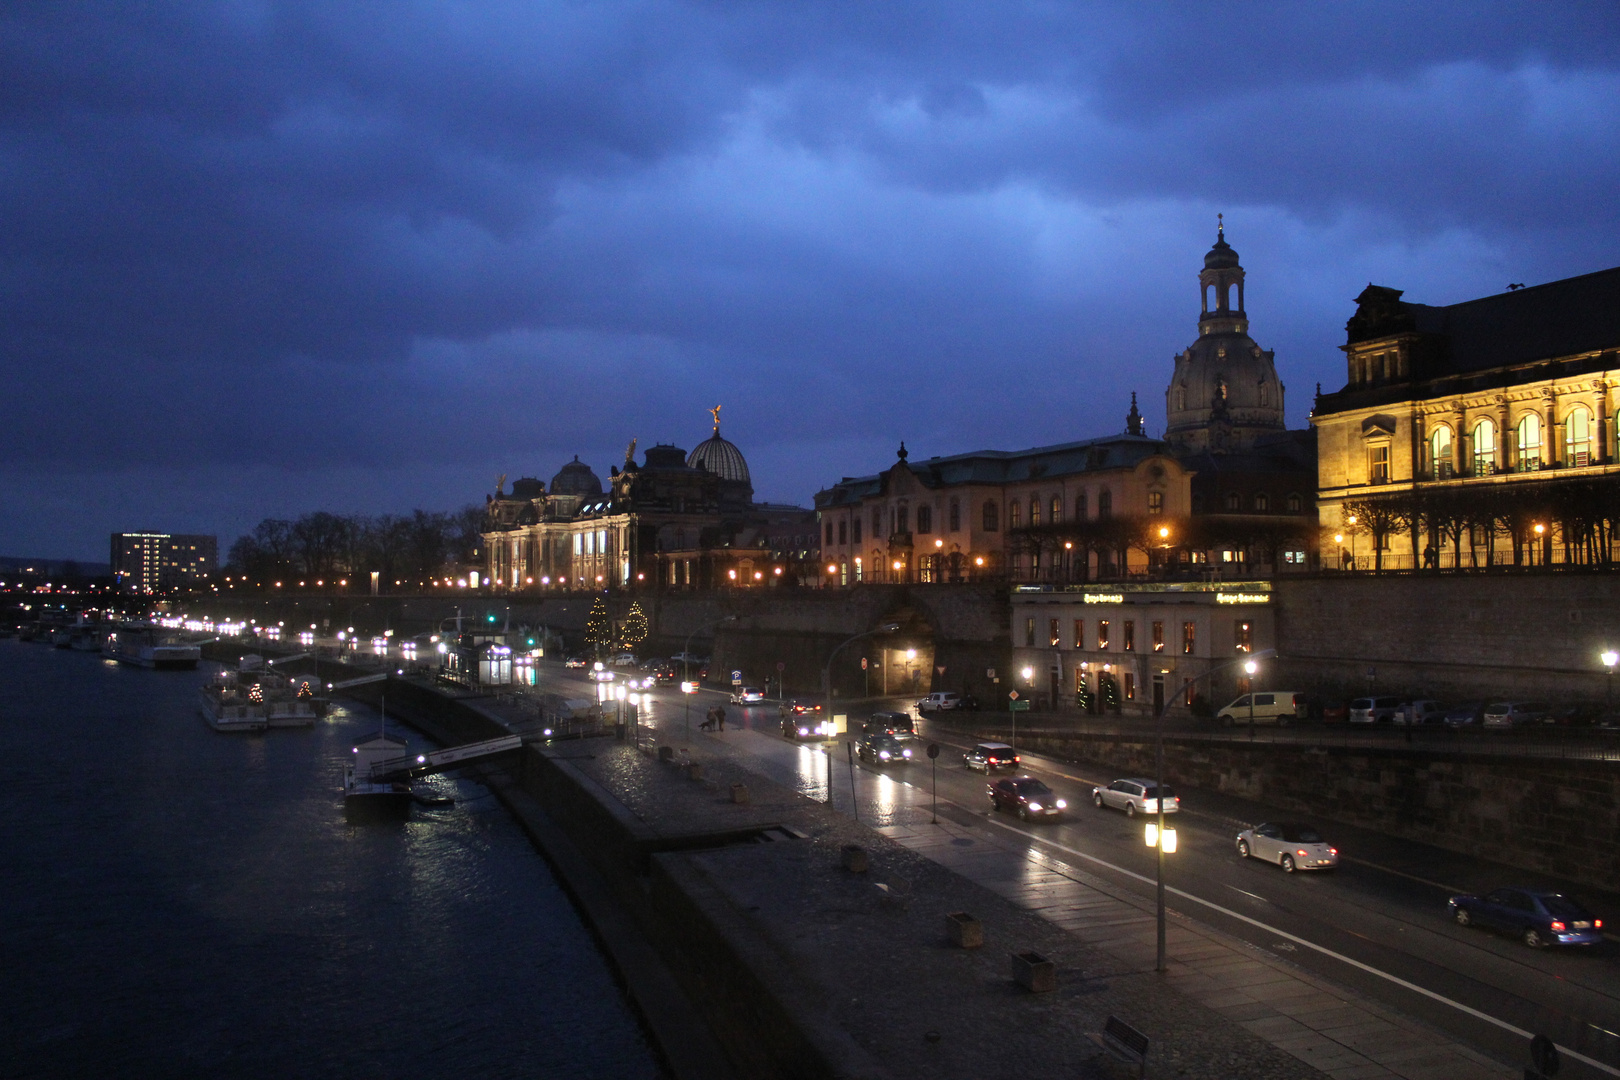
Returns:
<point x="720" y="715"/>
<point x="708" y="720"/>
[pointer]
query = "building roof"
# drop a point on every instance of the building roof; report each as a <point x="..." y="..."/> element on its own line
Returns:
<point x="1006" y="466"/>
<point x="576" y="478"/>
<point x="1560" y="318"/>
<point x="721" y="457"/>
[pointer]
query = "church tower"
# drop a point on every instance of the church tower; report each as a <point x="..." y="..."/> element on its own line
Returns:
<point x="1225" y="391"/>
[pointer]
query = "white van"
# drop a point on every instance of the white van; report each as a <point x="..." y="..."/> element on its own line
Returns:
<point x="1280" y="707"/>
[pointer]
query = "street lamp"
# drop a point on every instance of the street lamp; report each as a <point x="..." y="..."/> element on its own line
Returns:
<point x="1610" y="658"/>
<point x="1161" y="841"/>
<point x="1249" y="668"/>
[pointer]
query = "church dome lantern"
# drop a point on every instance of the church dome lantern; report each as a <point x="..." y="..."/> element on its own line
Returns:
<point x="722" y="458"/>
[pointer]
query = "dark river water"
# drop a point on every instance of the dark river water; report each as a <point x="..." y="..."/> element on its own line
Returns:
<point x="179" y="903"/>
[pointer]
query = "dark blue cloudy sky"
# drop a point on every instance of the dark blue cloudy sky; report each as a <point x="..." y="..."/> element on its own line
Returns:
<point x="263" y="258"/>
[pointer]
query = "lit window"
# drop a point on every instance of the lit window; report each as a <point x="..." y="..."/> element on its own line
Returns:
<point x="1014" y="509"/>
<point x="1158" y="637"/>
<point x="1189" y="637"/>
<point x="1034" y="509"/>
<point x="1079" y="633"/>
<point x="1057" y="509"/>
<point x="1529" y="442"/>
<point x="1130" y="635"/>
<point x="1243" y="636"/>
<point x="1102" y="634"/>
<point x="1378" y="464"/>
<point x="1054" y="633"/>
<point x="1484" y="448"/>
<point x="1578" y="436"/>
<point x="1155" y="502"/>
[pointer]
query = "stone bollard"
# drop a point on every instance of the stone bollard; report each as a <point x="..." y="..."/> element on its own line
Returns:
<point x="853" y="858"/>
<point x="739" y="794"/>
<point x="964" y="930"/>
<point x="694" y="771"/>
<point x="1034" y="972"/>
<point x="666" y="753"/>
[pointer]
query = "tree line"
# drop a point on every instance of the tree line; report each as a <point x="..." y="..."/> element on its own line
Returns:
<point x="413" y="547"/>
<point x="1578" y="519"/>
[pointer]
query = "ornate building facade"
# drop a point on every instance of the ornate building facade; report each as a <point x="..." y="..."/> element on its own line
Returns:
<point x="1475" y="433"/>
<point x="674" y="520"/>
<point x="1229" y="488"/>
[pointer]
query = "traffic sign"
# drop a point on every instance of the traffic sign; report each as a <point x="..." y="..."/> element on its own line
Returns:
<point x="736" y="676"/>
<point x="863" y="663"/>
<point x="933" y="749"/>
<point x="780" y="666"/>
<point x="1013" y="695"/>
<point x="1018" y="706"/>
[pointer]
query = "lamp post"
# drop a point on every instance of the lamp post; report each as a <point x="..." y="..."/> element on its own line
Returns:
<point x="826" y="683"/>
<point x="1159" y="841"/>
<point x="1249" y="668"/>
<point x="1609" y="658"/>
<point x="686" y="666"/>
<point x="1029" y="688"/>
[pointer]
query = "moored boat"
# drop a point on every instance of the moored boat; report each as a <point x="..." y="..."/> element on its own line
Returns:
<point x="227" y="708"/>
<point x="148" y="646"/>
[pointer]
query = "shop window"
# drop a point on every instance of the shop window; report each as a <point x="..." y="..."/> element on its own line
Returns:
<point x="1155" y="502"/>
<point x="1079" y="633"/>
<point x="1158" y="636"/>
<point x="1056" y="635"/>
<point x="1189" y="638"/>
<point x="991" y="516"/>
<point x="1102" y="634"/>
<point x="1129" y="635"/>
<point x="925" y="519"/>
<point x="1243" y="636"/>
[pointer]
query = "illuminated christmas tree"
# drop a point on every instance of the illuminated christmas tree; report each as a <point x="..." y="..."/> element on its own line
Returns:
<point x="633" y="631"/>
<point x="1110" y="694"/>
<point x="1083" y="697"/>
<point x="598" y="627"/>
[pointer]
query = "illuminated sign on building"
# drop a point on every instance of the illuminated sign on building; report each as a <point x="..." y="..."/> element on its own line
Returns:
<point x="1242" y="598"/>
<point x="1104" y="598"/>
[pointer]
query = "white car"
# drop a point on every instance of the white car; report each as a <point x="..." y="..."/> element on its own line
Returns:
<point x="1135" y="796"/>
<point x="1288" y="844"/>
<point x="623" y="659"/>
<point x="748" y="695"/>
<point x="938" y="702"/>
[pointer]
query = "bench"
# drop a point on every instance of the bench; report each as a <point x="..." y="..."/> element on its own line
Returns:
<point x="1124" y="1043"/>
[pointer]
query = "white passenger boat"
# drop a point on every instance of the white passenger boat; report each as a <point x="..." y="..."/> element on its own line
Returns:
<point x="366" y="795"/>
<point x="148" y="646"/>
<point x="228" y="707"/>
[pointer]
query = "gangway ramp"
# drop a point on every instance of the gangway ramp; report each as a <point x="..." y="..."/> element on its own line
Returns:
<point x="439" y="760"/>
<point x="361" y="681"/>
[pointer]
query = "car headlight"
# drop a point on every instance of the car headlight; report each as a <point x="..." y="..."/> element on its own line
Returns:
<point x="884" y="754"/>
<point x="1061" y="805"/>
<point x="804" y="731"/>
<point x="1034" y="806"/>
<point x="905" y="753"/>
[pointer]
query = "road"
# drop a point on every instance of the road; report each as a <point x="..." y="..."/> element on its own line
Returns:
<point x="1377" y="924"/>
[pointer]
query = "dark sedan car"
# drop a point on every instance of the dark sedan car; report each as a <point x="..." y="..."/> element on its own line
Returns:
<point x="1466" y="715"/>
<point x="1027" y="797"/>
<point x="1534" y="917"/>
<point x="884" y="749"/>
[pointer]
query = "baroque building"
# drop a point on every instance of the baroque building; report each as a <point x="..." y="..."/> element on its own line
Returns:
<point x="673" y="520"/>
<point x="1475" y="433"/>
<point x="1228" y="488"/>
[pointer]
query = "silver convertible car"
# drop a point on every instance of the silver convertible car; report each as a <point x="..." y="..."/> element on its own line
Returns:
<point x="1290" y="845"/>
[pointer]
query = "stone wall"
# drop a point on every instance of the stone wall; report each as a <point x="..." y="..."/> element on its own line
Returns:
<point x="1553" y="815"/>
<point x="1464" y="637"/>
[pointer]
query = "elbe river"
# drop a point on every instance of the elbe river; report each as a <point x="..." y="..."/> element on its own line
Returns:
<point x="175" y="902"/>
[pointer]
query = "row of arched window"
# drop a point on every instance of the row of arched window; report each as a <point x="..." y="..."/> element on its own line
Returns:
<point x="1530" y="442"/>
<point x="1053" y="508"/>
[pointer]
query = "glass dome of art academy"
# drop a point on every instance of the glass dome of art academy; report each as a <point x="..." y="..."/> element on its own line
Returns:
<point x="1225" y="392"/>
<point x="722" y="458"/>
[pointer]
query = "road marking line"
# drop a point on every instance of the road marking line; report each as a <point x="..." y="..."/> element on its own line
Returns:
<point x="1324" y="950"/>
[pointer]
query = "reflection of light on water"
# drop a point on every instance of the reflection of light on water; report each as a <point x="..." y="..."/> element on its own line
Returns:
<point x="810" y="774"/>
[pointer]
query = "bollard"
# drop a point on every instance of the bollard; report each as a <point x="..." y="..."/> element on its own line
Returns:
<point x="853" y="858"/>
<point x="964" y="930"/>
<point x="739" y="794"/>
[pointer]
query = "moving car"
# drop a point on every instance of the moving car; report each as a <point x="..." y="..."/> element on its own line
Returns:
<point x="1135" y="796"/>
<point x="1291" y="845"/>
<point x="1027" y="797"/>
<point x="893" y="723"/>
<point x="1533" y="916"/>
<point x="990" y="756"/>
<point x="801" y="720"/>
<point x="747" y="695"/>
<point x="575" y="662"/>
<point x="883" y="749"/>
<point x="624" y="659"/>
<point x="938" y="702"/>
<point x="1278" y="707"/>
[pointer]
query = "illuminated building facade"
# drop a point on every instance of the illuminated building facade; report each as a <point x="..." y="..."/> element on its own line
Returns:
<point x="150" y="562"/>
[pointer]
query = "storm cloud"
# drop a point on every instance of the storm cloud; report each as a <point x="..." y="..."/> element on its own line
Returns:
<point x="264" y="258"/>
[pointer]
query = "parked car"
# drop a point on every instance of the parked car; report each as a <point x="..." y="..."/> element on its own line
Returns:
<point x="990" y="756"/>
<point x="939" y="702"/>
<point x="1418" y="712"/>
<point x="1576" y="715"/>
<point x="1469" y="714"/>
<point x="1373" y="710"/>
<point x="1504" y="715"/>
<point x="747" y="695"/>
<point x="969" y="703"/>
<point x="624" y="659"/>
<point x="1135" y="796"/>
<point x="1335" y="712"/>
<point x="884" y="749"/>
<point x="1280" y="707"/>
<point x="1535" y="917"/>
<point x="1291" y="845"/>
<point x="1027" y="797"/>
<point x="576" y="662"/>
<point x="890" y="723"/>
<point x="652" y="663"/>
